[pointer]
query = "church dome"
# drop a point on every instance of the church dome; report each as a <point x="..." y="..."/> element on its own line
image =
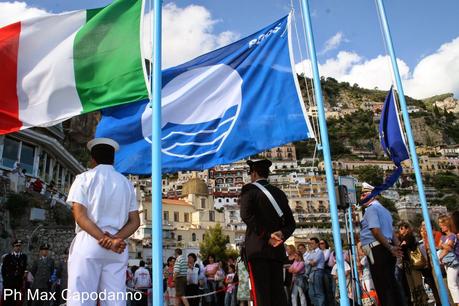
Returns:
<point x="195" y="186"/>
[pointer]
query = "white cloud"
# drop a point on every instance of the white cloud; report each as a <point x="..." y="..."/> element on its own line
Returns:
<point x="333" y="42"/>
<point x="341" y="64"/>
<point x="434" y="74"/>
<point x="353" y="68"/>
<point x="11" y="12"/>
<point x="188" y="33"/>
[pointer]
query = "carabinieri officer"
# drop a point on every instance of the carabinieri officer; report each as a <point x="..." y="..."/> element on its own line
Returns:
<point x="268" y="227"/>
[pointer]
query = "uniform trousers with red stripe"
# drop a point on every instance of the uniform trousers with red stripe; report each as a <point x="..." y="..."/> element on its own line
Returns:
<point x="266" y="277"/>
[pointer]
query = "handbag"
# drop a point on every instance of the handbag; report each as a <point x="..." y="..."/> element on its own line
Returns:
<point x="450" y="260"/>
<point x="417" y="260"/>
<point x="370" y="298"/>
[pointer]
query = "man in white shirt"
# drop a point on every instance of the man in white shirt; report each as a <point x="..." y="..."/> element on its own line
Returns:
<point x="106" y="213"/>
<point x="142" y="282"/>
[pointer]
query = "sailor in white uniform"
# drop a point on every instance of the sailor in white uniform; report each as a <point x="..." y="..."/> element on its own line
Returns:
<point x="106" y="213"/>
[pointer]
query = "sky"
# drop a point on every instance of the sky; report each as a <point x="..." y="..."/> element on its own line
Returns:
<point x="348" y="36"/>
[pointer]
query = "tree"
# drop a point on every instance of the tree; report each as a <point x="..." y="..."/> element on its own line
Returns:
<point x="446" y="180"/>
<point x="371" y="174"/>
<point x="451" y="203"/>
<point x="214" y="243"/>
<point x="436" y="111"/>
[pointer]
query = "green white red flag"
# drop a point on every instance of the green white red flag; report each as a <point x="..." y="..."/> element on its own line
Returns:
<point x="59" y="66"/>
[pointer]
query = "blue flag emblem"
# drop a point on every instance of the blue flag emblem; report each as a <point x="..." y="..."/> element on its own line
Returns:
<point x="221" y="107"/>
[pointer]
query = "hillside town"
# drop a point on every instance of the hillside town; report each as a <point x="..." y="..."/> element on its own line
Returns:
<point x="201" y="210"/>
<point x="37" y="169"/>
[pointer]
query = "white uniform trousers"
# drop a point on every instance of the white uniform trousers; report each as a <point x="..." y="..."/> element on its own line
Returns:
<point x="93" y="269"/>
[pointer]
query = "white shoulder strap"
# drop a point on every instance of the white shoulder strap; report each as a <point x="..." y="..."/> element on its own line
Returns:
<point x="271" y="198"/>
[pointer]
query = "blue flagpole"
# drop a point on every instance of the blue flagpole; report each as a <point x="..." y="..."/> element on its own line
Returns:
<point x="344" y="300"/>
<point x="354" y="258"/>
<point x="414" y="157"/>
<point x="156" y="190"/>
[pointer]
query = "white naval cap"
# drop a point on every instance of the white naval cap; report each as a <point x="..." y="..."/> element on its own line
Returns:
<point x="106" y="141"/>
<point x="367" y="187"/>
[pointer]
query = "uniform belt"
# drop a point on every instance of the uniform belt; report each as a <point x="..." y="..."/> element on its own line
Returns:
<point x="376" y="243"/>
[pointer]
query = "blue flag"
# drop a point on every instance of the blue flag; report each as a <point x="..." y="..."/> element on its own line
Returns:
<point x="390" y="131"/>
<point x="221" y="107"/>
<point x="392" y="142"/>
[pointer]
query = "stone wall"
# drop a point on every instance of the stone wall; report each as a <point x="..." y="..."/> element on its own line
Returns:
<point x="58" y="240"/>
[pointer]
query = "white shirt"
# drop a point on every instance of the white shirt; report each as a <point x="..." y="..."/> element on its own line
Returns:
<point x="326" y="255"/>
<point x="318" y="257"/>
<point x="347" y="270"/>
<point x="193" y="275"/>
<point x="107" y="195"/>
<point x="142" y="278"/>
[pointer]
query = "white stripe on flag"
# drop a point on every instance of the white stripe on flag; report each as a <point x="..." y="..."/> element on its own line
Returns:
<point x="46" y="79"/>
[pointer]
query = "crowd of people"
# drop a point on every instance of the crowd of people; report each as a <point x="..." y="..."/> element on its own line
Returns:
<point x="44" y="274"/>
<point x="189" y="280"/>
<point x="394" y="263"/>
<point x="138" y="278"/>
<point x="310" y="272"/>
<point x="413" y="270"/>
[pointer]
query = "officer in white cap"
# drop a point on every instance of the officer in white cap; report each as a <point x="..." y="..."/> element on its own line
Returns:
<point x="381" y="246"/>
<point x="106" y="213"/>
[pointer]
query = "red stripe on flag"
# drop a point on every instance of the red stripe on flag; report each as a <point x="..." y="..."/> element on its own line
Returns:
<point x="9" y="103"/>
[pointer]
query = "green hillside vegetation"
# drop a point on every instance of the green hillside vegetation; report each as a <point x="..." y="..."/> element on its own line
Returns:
<point x="359" y="130"/>
<point x="430" y="101"/>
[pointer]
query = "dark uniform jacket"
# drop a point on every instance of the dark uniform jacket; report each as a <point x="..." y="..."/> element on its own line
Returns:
<point x="41" y="270"/>
<point x="13" y="269"/>
<point x="262" y="220"/>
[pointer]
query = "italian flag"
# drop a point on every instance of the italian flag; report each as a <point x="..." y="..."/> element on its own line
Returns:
<point x="59" y="66"/>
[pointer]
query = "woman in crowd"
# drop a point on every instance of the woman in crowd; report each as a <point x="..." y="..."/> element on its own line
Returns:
<point x="243" y="288"/>
<point x="192" y="287"/>
<point x="329" y="283"/>
<point x="427" y="272"/>
<point x="447" y="256"/>
<point x="169" y="275"/>
<point x="230" y="282"/>
<point x="210" y="270"/>
<point x="297" y="270"/>
<point x="290" y="250"/>
<point x="413" y="287"/>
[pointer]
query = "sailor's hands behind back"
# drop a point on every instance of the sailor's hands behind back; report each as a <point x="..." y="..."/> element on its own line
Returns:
<point x="112" y="243"/>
